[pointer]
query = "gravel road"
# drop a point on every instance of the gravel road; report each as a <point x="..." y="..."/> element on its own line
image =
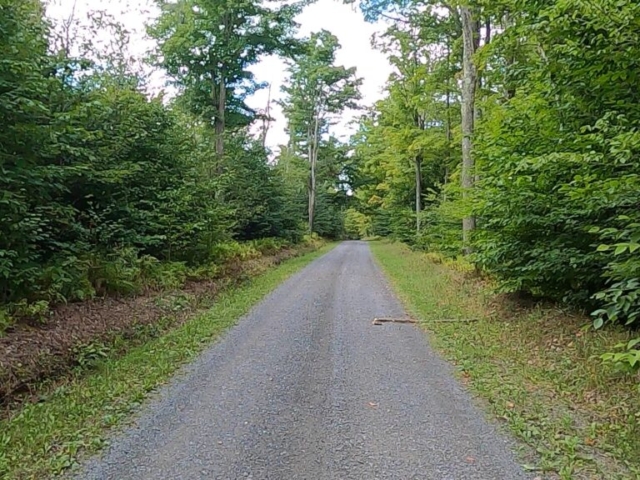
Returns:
<point x="305" y="387"/>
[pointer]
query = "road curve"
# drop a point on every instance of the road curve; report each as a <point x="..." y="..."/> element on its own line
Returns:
<point x="305" y="387"/>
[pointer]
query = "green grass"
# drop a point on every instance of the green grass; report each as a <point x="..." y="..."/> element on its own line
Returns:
<point x="48" y="437"/>
<point x="535" y="368"/>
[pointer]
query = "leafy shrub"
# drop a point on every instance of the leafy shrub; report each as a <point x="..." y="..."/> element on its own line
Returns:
<point x="357" y="224"/>
<point x="203" y="272"/>
<point x="106" y="189"/>
<point x="66" y="280"/>
<point x="165" y="275"/>
<point x="38" y="311"/>
<point x="440" y="229"/>
<point x="232" y="251"/>
<point x="269" y="246"/>
<point x="118" y="273"/>
<point x="6" y="321"/>
<point x="88" y="355"/>
<point x="628" y="359"/>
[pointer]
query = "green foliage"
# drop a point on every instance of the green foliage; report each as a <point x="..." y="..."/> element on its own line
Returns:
<point x="405" y="145"/>
<point x="89" y="355"/>
<point x="357" y="225"/>
<point x="109" y="190"/>
<point x="627" y="360"/>
<point x="269" y="246"/>
<point x="207" y="46"/>
<point x="441" y="232"/>
<point x="228" y="252"/>
<point x="558" y="160"/>
<point x="255" y="190"/>
<point x="533" y="231"/>
<point x="317" y="87"/>
<point x="6" y="321"/>
<point x="556" y="146"/>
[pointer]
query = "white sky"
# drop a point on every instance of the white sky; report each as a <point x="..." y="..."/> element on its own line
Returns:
<point x="342" y="20"/>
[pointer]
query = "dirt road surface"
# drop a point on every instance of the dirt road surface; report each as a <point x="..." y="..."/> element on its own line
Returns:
<point x="305" y="387"/>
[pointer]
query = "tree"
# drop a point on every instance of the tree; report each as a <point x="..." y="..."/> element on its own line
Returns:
<point x="207" y="47"/>
<point x="469" y="84"/>
<point x="415" y="108"/>
<point x="317" y="91"/>
<point x="549" y="145"/>
<point x="466" y="16"/>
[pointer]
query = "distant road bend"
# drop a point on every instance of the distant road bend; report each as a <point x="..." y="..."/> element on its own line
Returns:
<point x="305" y="387"/>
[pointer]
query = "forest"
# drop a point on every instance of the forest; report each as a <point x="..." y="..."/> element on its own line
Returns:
<point x="496" y="178"/>
<point x="507" y="136"/>
<point x="107" y="186"/>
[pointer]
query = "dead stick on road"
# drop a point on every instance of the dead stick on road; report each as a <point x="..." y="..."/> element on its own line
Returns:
<point x="380" y="321"/>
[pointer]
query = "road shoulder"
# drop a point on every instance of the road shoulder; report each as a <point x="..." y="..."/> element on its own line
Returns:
<point x="549" y="398"/>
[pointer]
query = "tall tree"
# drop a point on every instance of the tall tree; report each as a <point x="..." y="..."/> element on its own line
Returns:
<point x="317" y="91"/>
<point x="469" y="84"/>
<point x="467" y="16"/>
<point x="415" y="108"/>
<point x="207" y="46"/>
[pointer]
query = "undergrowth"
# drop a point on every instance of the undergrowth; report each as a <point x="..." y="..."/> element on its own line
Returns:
<point x="124" y="272"/>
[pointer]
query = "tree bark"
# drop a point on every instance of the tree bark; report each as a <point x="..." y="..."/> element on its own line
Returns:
<point x="266" y="121"/>
<point x="220" y="117"/>
<point x="418" y="164"/>
<point x="312" y="182"/>
<point x="469" y="81"/>
<point x="313" y="160"/>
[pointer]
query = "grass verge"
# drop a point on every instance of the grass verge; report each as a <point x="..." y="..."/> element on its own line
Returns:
<point x="535" y="367"/>
<point x="47" y="438"/>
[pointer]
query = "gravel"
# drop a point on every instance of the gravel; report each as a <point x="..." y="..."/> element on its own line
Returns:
<point x="305" y="387"/>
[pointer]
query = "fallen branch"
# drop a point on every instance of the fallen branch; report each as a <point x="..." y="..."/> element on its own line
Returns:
<point x="380" y="321"/>
<point x="452" y="320"/>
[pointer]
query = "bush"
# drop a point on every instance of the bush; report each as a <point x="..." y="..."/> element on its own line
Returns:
<point x="233" y="251"/>
<point x="269" y="246"/>
<point x="6" y="321"/>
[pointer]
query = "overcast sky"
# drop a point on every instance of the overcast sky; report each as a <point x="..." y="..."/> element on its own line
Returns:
<point x="342" y="20"/>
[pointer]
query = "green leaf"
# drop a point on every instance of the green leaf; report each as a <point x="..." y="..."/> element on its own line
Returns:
<point x="633" y="343"/>
<point x="621" y="248"/>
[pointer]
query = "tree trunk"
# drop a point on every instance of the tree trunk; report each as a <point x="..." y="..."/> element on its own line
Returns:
<point x="266" y="121"/>
<point x="418" y="164"/>
<point x="312" y="182"/>
<point x="220" y="117"/>
<point x="448" y="134"/>
<point x="468" y="101"/>
<point x="314" y="161"/>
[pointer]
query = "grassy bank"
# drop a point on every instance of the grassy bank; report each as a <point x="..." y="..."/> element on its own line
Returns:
<point x="47" y="437"/>
<point x="534" y="367"/>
